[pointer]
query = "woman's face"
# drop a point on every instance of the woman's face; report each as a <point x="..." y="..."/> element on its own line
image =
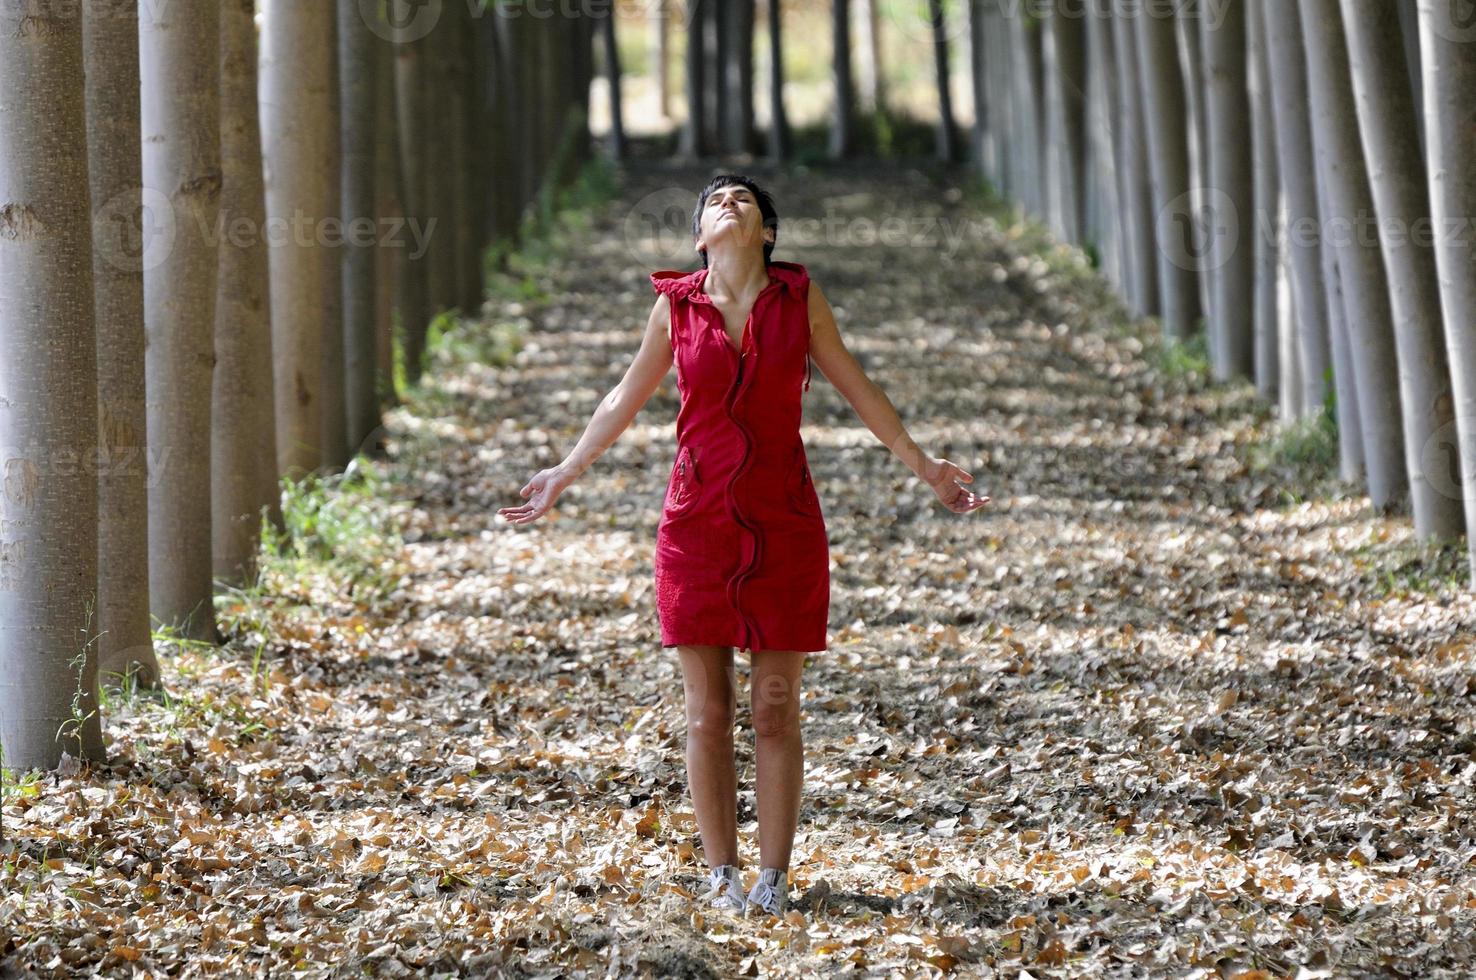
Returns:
<point x="731" y="219"/>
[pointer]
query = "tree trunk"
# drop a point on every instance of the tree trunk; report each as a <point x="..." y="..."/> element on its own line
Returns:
<point x="737" y="72"/>
<point x="1448" y="63"/>
<point x="1351" y="464"/>
<point x="1341" y="168"/>
<point x="870" y="75"/>
<point x="612" y="76"/>
<point x="334" y="400"/>
<point x="661" y="51"/>
<point x="1266" y="216"/>
<point x="1288" y="354"/>
<point x="244" y="445"/>
<point x="1386" y="114"/>
<point x="1103" y="212"/>
<point x="48" y="398"/>
<point x="295" y="79"/>
<point x="1409" y="33"/>
<point x="1168" y="157"/>
<point x="124" y="643"/>
<point x="1134" y="180"/>
<point x="1230" y="194"/>
<point x="947" y="142"/>
<point x="694" y="143"/>
<point x="1063" y="51"/>
<point x="778" y="119"/>
<point x="1297" y="168"/>
<point x="393" y="241"/>
<point x="179" y="55"/>
<point x="842" y="134"/>
<point x="411" y="110"/>
<point x="985" y="142"/>
<point x="1027" y="112"/>
<point x="1187" y="25"/>
<point x="358" y="117"/>
<point x="439" y="157"/>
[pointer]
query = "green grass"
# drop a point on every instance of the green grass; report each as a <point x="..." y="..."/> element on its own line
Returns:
<point x="1186" y="359"/>
<point x="1413" y="567"/>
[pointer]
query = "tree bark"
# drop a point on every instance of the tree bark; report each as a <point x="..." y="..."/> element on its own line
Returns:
<point x="1190" y="45"/>
<point x="661" y="51"/>
<point x="694" y="142"/>
<point x="1168" y="157"/>
<point x="1342" y="169"/>
<point x="1230" y="194"/>
<point x="737" y="68"/>
<point x="359" y="138"/>
<point x="947" y="141"/>
<point x="842" y="134"/>
<point x="124" y="644"/>
<point x="244" y="444"/>
<point x="48" y="397"/>
<point x="870" y="75"/>
<point x="179" y="56"/>
<point x="1386" y="114"/>
<point x="778" y="119"/>
<point x="1103" y="213"/>
<point x="411" y="110"/>
<point x="1063" y="52"/>
<point x="295" y="79"/>
<point x="612" y="76"/>
<point x="334" y="389"/>
<point x="1297" y="168"/>
<point x="390" y="250"/>
<point x="985" y="139"/>
<point x="1448" y="63"/>
<point x="1134" y="178"/>
<point x="1265" y="216"/>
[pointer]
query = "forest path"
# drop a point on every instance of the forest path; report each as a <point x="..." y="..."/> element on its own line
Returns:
<point x="1139" y="715"/>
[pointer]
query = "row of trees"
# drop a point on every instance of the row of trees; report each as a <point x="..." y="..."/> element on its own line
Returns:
<point x="1296" y="178"/>
<point x="214" y="235"/>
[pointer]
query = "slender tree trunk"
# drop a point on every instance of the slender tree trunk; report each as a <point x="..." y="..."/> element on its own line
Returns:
<point x="947" y="142"/>
<point x="1187" y="25"/>
<point x="1288" y="356"/>
<point x="1063" y="47"/>
<point x="1103" y="210"/>
<point x="1342" y="169"/>
<point x="870" y="76"/>
<point x="778" y="119"/>
<point x="1265" y="218"/>
<point x="1448" y="63"/>
<point x="48" y="398"/>
<point x="390" y="251"/>
<point x="244" y="444"/>
<point x="612" y="75"/>
<point x="411" y="111"/>
<point x="1297" y="168"/>
<point x="1386" y="114"/>
<point x="661" y="51"/>
<point x="1134" y="181"/>
<point x="334" y="400"/>
<point x="294" y="85"/>
<point x="842" y="133"/>
<point x="439" y="156"/>
<point x="1168" y="156"/>
<point x="985" y="140"/>
<point x="124" y="643"/>
<point x="358" y="117"/>
<point x="737" y="73"/>
<point x="179" y="55"/>
<point x="1231" y="192"/>
<point x="1028" y="112"/>
<point x="694" y="142"/>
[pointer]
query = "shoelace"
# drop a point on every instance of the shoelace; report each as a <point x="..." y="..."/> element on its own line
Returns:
<point x="771" y="891"/>
<point x="725" y="888"/>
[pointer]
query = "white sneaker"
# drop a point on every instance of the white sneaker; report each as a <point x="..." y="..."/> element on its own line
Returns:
<point x="770" y="893"/>
<point x="725" y="889"/>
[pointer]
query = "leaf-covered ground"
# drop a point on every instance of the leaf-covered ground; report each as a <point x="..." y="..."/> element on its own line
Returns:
<point x="1156" y="710"/>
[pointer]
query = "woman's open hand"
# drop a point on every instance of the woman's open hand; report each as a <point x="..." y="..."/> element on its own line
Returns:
<point x="542" y="490"/>
<point x="942" y="476"/>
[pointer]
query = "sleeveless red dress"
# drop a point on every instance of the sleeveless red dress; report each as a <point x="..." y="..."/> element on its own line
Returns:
<point x="742" y="556"/>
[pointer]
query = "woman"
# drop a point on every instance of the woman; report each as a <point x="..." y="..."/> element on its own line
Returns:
<point x="741" y="556"/>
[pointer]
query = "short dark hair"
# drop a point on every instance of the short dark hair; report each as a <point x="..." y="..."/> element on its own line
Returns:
<point x="765" y="203"/>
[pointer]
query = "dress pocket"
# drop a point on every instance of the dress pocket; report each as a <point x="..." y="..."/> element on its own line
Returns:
<point x="685" y="483"/>
<point x="802" y="495"/>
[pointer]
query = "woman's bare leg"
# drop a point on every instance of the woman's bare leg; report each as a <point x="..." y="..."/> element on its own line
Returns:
<point x="711" y="702"/>
<point x="779" y="749"/>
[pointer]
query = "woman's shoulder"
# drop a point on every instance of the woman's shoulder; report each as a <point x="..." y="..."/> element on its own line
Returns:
<point x="674" y="282"/>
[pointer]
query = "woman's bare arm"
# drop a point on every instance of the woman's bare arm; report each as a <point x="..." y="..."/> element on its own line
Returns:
<point x="875" y="409"/>
<point x="613" y="415"/>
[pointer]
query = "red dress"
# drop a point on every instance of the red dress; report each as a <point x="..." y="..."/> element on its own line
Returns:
<point x="742" y="557"/>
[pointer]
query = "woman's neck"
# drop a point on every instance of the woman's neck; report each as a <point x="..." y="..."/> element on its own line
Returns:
<point x="735" y="274"/>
